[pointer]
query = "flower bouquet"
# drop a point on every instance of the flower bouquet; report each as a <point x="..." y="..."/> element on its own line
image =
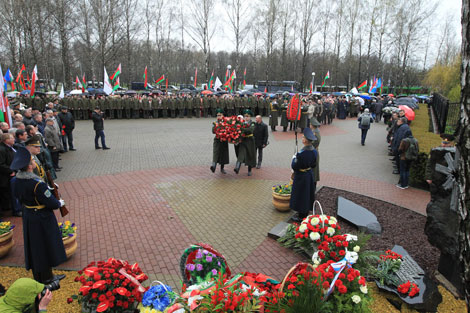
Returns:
<point x="229" y="129"/>
<point x="6" y="238"/>
<point x="157" y="298"/>
<point x="202" y="263"/>
<point x="334" y="249"/>
<point x="110" y="286"/>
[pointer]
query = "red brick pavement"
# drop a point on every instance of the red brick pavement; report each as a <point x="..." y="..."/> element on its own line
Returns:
<point x="124" y="216"/>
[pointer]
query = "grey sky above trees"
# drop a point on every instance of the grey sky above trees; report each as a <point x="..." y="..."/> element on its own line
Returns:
<point x="273" y="39"/>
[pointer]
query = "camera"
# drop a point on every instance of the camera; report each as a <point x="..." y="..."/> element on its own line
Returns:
<point x="52" y="286"/>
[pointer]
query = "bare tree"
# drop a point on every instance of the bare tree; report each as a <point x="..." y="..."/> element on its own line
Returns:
<point x="352" y="14"/>
<point x="307" y="30"/>
<point x="202" y="30"/>
<point x="237" y="12"/>
<point x="269" y="12"/>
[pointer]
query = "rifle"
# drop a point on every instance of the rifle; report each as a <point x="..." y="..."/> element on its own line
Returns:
<point x="63" y="209"/>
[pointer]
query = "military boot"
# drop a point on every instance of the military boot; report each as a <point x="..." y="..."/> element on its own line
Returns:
<point x="237" y="167"/>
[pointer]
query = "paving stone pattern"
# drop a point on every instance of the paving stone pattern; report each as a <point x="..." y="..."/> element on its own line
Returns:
<point x="152" y="194"/>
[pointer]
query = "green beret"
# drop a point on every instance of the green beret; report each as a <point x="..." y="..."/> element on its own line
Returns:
<point x="219" y="111"/>
<point x="248" y="112"/>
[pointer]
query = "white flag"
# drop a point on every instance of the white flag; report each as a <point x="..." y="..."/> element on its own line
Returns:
<point x="107" y="88"/>
<point x="217" y="83"/>
<point x="62" y="92"/>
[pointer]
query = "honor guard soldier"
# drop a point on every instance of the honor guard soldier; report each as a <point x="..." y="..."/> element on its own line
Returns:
<point x="303" y="162"/>
<point x="43" y="245"/>
<point x="246" y="149"/>
<point x="273" y="115"/>
<point x="284" y="121"/>
<point x="33" y="145"/>
<point x="220" y="152"/>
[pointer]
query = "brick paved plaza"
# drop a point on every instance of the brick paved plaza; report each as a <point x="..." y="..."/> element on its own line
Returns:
<point x="152" y="194"/>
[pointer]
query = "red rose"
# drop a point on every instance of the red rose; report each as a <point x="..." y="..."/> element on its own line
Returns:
<point x="342" y="289"/>
<point x="326" y="285"/>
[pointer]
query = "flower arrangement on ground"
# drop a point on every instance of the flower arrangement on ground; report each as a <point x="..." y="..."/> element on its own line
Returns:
<point x="307" y="235"/>
<point x="229" y="129"/>
<point x="6" y="227"/>
<point x="67" y="229"/>
<point x="285" y="189"/>
<point x="334" y="249"/>
<point x="157" y="299"/>
<point x="111" y="286"/>
<point x="205" y="266"/>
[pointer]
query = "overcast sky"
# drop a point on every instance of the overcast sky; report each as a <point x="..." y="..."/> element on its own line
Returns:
<point x="223" y="38"/>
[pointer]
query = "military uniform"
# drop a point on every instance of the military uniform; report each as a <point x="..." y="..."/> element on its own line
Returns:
<point x="246" y="149"/>
<point x="303" y="192"/>
<point x="273" y="115"/>
<point x="220" y="153"/>
<point x="284" y="121"/>
<point x="43" y="245"/>
<point x="303" y="117"/>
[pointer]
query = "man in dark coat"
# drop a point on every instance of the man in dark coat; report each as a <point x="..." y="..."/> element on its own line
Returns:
<point x="303" y="192"/>
<point x="43" y="246"/>
<point x="246" y="150"/>
<point x="98" y="126"/>
<point x="273" y="115"/>
<point x="6" y="157"/>
<point x="220" y="152"/>
<point x="284" y="120"/>
<point x="402" y="131"/>
<point x="68" y="125"/>
<point x="261" y="138"/>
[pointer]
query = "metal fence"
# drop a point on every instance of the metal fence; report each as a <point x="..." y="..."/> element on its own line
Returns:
<point x="447" y="114"/>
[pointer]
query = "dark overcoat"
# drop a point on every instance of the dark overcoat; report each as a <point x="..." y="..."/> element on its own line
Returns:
<point x="274" y="114"/>
<point x="284" y="121"/>
<point x="220" y="152"/>
<point x="246" y="151"/>
<point x="6" y="157"/>
<point x="303" y="186"/>
<point x="43" y="245"/>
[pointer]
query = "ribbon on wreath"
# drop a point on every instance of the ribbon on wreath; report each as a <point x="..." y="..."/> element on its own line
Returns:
<point x="349" y="259"/>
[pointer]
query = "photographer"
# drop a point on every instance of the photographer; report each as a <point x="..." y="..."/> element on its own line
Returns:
<point x="25" y="295"/>
<point x="98" y="126"/>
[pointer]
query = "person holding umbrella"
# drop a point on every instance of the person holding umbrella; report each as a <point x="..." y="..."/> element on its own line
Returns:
<point x="303" y="162"/>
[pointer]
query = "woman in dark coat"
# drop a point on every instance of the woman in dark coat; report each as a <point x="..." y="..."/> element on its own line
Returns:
<point x="220" y="152"/>
<point x="303" y="191"/>
<point x="43" y="245"/>
<point x="246" y="149"/>
<point x="342" y="113"/>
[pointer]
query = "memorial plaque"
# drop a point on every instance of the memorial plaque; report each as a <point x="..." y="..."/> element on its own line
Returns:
<point x="429" y="297"/>
<point x="359" y="216"/>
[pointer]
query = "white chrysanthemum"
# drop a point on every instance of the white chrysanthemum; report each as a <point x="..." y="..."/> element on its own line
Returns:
<point x="332" y="218"/>
<point x="356" y="299"/>
<point x="352" y="257"/>
<point x="331" y="222"/>
<point x="363" y="289"/>
<point x="330" y="231"/>
<point x="315" y="258"/>
<point x="302" y="227"/>
<point x="323" y="217"/>
<point x="314" y="236"/>
<point x="314" y="221"/>
<point x="356" y="249"/>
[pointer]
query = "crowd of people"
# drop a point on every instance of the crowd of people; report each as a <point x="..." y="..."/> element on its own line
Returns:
<point x="45" y="134"/>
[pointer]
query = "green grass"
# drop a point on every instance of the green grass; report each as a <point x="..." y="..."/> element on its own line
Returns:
<point x="420" y="129"/>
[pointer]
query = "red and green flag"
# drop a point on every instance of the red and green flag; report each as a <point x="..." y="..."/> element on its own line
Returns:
<point x="116" y="84"/>
<point x="145" y="77"/>
<point x="364" y="84"/>
<point x="116" y="73"/>
<point x="311" y="88"/>
<point x="211" y="81"/>
<point x="244" y="78"/>
<point x="83" y="83"/>
<point x="229" y="82"/>
<point x="160" y="80"/>
<point x="166" y="84"/>
<point x="327" y="76"/>
<point x="20" y="78"/>
<point x="77" y="81"/>
<point x="195" y="78"/>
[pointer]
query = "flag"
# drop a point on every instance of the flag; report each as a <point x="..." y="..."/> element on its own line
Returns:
<point x="160" y="80"/>
<point x="364" y="84"/>
<point x="244" y="78"/>
<point x="379" y="83"/>
<point x="116" y="84"/>
<point x="195" y="78"/>
<point x="4" y="106"/>
<point x="229" y="82"/>
<point x="83" y="83"/>
<point x="107" y="85"/>
<point x="77" y="81"/>
<point x="9" y="78"/>
<point x="62" y="92"/>
<point x="327" y="76"/>
<point x="116" y="73"/>
<point x="311" y="88"/>
<point x="373" y="86"/>
<point x="211" y="80"/>
<point x="34" y="78"/>
<point x="227" y="73"/>
<point x="217" y="83"/>
<point x="166" y="84"/>
<point x="145" y="77"/>
<point x="19" y="78"/>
